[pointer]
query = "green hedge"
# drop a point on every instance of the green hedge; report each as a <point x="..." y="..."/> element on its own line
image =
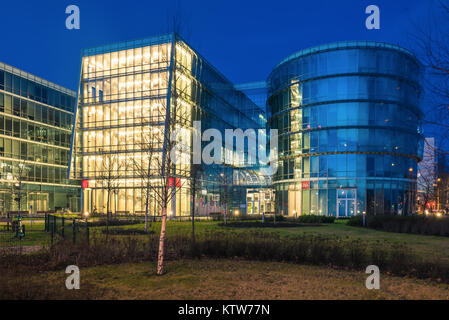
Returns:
<point x="405" y="224"/>
<point x="133" y="231"/>
<point x="279" y="218"/>
<point x="114" y="222"/>
<point x="316" y="219"/>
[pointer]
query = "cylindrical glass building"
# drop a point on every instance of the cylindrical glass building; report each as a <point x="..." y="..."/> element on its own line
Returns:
<point x="349" y="125"/>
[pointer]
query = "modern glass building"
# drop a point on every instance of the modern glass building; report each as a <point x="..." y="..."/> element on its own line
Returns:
<point x="349" y="120"/>
<point x="129" y="94"/>
<point x="35" y="126"/>
<point x="256" y="91"/>
<point x="260" y="199"/>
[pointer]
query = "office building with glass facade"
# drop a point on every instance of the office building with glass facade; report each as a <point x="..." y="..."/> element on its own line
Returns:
<point x="129" y="93"/>
<point x="349" y="123"/>
<point x="256" y="91"/>
<point x="35" y="127"/>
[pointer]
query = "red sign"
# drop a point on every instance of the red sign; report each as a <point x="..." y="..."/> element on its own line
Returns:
<point x="85" y="184"/>
<point x="306" y="184"/>
<point x="177" y="182"/>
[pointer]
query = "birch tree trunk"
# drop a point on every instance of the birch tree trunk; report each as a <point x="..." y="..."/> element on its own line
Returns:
<point x="146" y="209"/>
<point x="107" y="213"/>
<point x="160" y="260"/>
<point x="193" y="217"/>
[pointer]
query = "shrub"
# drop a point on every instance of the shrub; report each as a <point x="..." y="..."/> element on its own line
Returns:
<point x="279" y="218"/>
<point x="405" y="224"/>
<point x="260" y="224"/>
<point x="310" y="218"/>
<point x="262" y="246"/>
<point x="118" y="231"/>
<point x="114" y="222"/>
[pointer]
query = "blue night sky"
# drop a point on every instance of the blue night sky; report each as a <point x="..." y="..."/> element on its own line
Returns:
<point x="243" y="39"/>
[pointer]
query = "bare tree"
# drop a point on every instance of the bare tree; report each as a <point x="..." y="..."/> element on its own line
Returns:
<point x="157" y="168"/>
<point x="195" y="181"/>
<point x="224" y="199"/>
<point x="169" y="179"/>
<point x="109" y="167"/>
<point x="163" y="176"/>
<point x="19" y="173"/>
<point x="146" y="167"/>
<point x="430" y="41"/>
<point x="427" y="175"/>
<point x="178" y="19"/>
<point x="443" y="183"/>
<point x="432" y="46"/>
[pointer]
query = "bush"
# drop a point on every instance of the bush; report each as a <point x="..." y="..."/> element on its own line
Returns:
<point x="279" y="218"/>
<point x="114" y="222"/>
<point x="260" y="224"/>
<point x="405" y="224"/>
<point x="216" y="216"/>
<point x="310" y="218"/>
<point x="126" y="231"/>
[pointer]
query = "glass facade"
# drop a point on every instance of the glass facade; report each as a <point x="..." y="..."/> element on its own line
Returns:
<point x="349" y="126"/>
<point x="35" y="127"/>
<point x="128" y="93"/>
<point x="256" y="91"/>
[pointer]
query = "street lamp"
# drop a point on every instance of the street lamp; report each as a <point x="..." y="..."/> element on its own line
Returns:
<point x="86" y="215"/>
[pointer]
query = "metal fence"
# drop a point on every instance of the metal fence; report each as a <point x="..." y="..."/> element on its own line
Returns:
<point x="68" y="228"/>
<point x="9" y="243"/>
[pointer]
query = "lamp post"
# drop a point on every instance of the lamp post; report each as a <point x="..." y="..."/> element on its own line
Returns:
<point x="438" y="194"/>
<point x="86" y="215"/>
<point x="364" y="219"/>
<point x="31" y="217"/>
<point x="224" y="181"/>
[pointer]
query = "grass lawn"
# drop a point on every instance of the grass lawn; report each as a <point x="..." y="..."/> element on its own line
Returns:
<point x="34" y="235"/>
<point x="423" y="245"/>
<point x="426" y="246"/>
<point x="218" y="279"/>
<point x="228" y="279"/>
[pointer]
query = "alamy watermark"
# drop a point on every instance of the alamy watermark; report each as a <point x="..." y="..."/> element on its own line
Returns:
<point x="73" y="20"/>
<point x="72" y="281"/>
<point x="373" y="20"/>
<point x="218" y="151"/>
<point x="373" y="281"/>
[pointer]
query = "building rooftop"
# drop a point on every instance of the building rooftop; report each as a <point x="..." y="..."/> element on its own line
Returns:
<point x="251" y="85"/>
<point x="31" y="77"/>
<point x="345" y="45"/>
<point x="129" y="44"/>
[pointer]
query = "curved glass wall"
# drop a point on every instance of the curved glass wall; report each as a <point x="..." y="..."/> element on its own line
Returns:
<point x="349" y="127"/>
